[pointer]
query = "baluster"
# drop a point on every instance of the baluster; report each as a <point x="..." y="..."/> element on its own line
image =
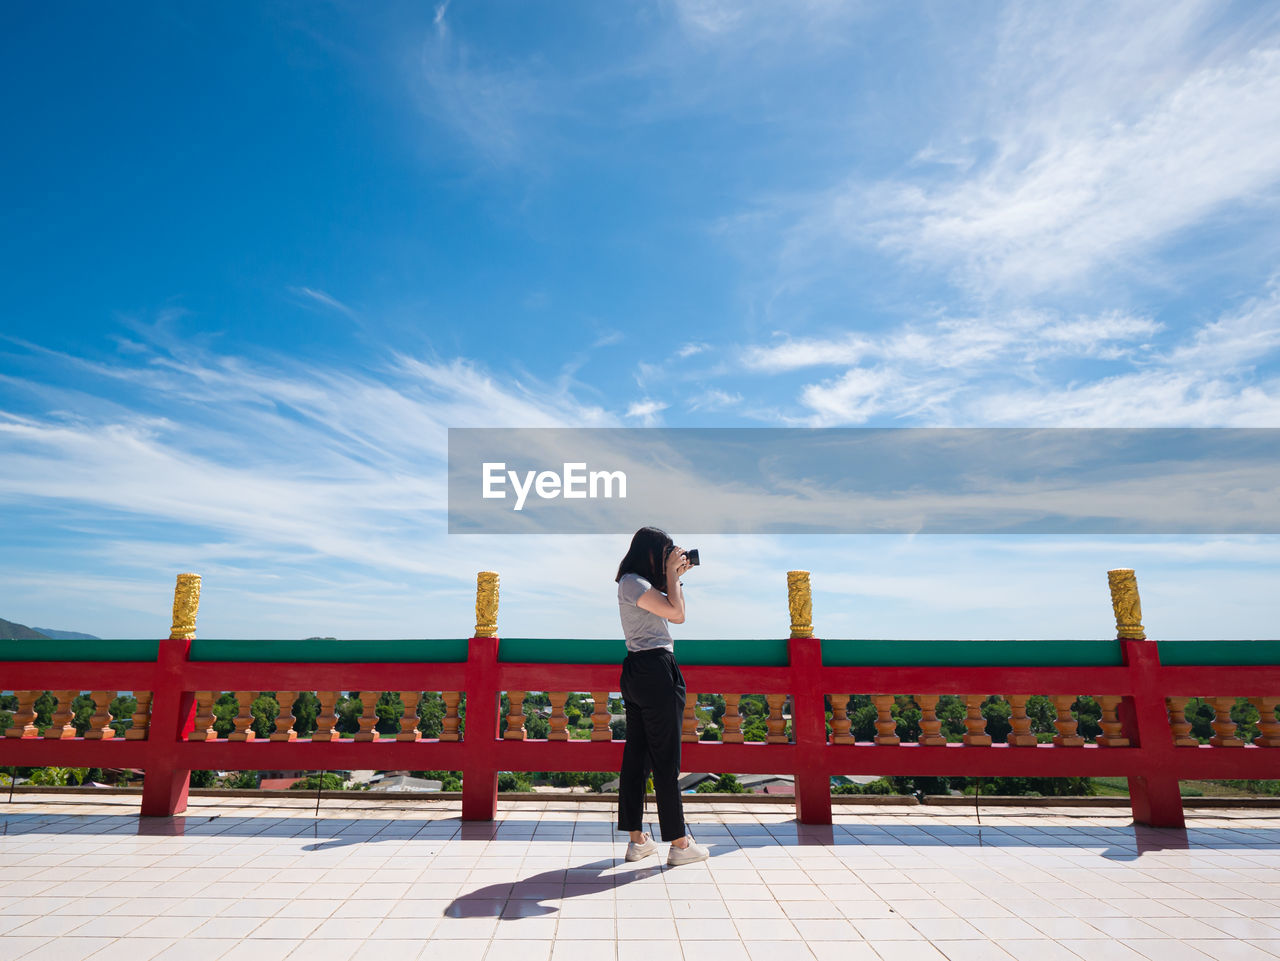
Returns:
<point x="600" y="730"/>
<point x="24" y="718"/>
<point x="689" y="723"/>
<point x="1224" y="729"/>
<point x="776" y="723"/>
<point x="244" y="717"/>
<point x="284" y="720"/>
<point x="1112" y="729"/>
<point x="559" y="720"/>
<point x="409" y="719"/>
<point x="449" y="723"/>
<point x="1178" y="722"/>
<point x="975" y="722"/>
<point x="886" y="726"/>
<point x="100" y="722"/>
<point x="1021" y="735"/>
<point x="515" y="716"/>
<point x="204" y="730"/>
<point x="930" y="726"/>
<point x="141" y="717"/>
<point x="368" y="716"/>
<point x="61" y="726"/>
<point x="731" y="722"/>
<point x="840" y="723"/>
<point x="1065" y="723"/>
<point x="1268" y="727"/>
<point x="327" y="716"/>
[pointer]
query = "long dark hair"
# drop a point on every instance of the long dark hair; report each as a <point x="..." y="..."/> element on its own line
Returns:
<point x="647" y="556"/>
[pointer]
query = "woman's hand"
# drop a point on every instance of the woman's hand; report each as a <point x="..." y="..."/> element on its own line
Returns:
<point x="677" y="563"/>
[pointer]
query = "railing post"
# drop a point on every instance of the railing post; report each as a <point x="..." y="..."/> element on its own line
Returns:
<point x="480" y="764"/>
<point x="808" y="706"/>
<point x="165" y="783"/>
<point x="1153" y="790"/>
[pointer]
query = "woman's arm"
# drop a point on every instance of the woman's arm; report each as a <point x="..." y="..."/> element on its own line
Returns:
<point x="671" y="604"/>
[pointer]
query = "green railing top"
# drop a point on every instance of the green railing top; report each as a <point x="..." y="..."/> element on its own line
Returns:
<point x="430" y="650"/>
<point x="78" y="650"/>
<point x="1056" y="653"/>
<point x="770" y="652"/>
<point x="534" y="650"/>
<point x="1189" y="653"/>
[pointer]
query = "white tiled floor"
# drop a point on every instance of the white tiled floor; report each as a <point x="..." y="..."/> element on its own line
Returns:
<point x="265" y="880"/>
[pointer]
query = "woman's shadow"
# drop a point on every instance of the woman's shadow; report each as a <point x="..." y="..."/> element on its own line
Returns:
<point x="530" y="892"/>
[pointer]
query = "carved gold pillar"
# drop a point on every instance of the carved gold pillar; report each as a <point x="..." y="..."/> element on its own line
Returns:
<point x="1268" y="728"/>
<point x="204" y="729"/>
<point x="975" y="722"/>
<point x="244" y="717"/>
<point x="800" y="603"/>
<point x="141" y="717"/>
<point x="840" y="723"/>
<point x="930" y="726"/>
<point x="284" y="720"/>
<point x="486" y="604"/>
<point x="24" y="718"/>
<point x="100" y="722"/>
<point x="327" y="716"/>
<point x="60" y="726"/>
<point x="449" y="723"/>
<point x="409" y="719"/>
<point x="515" y="716"/>
<point x="1224" y="729"/>
<point x="558" y="722"/>
<point x="600" y="730"/>
<point x="689" y="723"/>
<point x="731" y="722"/>
<point x="1066" y="724"/>
<point x="368" y="716"/>
<point x="186" y="605"/>
<point x="776" y="723"/>
<point x="1112" y="730"/>
<point x="1126" y="604"/>
<point x="886" y="726"/>
<point x="1021" y="735"/>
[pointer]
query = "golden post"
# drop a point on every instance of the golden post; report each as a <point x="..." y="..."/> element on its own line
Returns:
<point x="186" y="604"/>
<point x="1126" y="604"/>
<point x="487" y="604"/>
<point x="800" y="601"/>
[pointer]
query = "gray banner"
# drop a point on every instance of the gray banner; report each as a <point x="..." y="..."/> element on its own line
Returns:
<point x="865" y="480"/>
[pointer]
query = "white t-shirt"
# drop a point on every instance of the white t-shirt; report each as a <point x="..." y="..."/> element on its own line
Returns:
<point x="643" y="629"/>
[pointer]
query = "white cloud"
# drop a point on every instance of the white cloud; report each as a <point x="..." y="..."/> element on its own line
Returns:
<point x="1098" y="136"/>
<point x="646" y="411"/>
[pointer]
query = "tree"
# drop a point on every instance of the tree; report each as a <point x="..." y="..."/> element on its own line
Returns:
<point x="203" y="779"/>
<point x="618" y="729"/>
<point x="513" y="781"/>
<point x="327" y="781"/>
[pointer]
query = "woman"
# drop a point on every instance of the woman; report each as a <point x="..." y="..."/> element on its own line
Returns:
<point x="649" y="595"/>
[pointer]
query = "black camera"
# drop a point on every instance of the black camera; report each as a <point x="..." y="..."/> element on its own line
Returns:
<point x="691" y="556"/>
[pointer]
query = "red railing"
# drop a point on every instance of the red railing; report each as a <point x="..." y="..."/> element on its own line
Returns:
<point x="1144" y="736"/>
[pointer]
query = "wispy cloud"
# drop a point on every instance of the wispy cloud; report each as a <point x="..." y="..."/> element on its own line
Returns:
<point x="1099" y="136"/>
<point x="646" y="411"/>
<point x="323" y="299"/>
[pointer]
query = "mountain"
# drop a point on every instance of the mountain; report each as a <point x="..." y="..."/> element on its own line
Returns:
<point x="65" y="635"/>
<point x="10" y="631"/>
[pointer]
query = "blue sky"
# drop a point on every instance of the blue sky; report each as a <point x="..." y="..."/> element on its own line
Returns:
<point x="258" y="258"/>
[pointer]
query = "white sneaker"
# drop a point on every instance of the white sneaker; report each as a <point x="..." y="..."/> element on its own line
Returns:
<point x="642" y="850"/>
<point x="687" y="855"/>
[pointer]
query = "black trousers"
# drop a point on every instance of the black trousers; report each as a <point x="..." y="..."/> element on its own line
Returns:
<point x="653" y="693"/>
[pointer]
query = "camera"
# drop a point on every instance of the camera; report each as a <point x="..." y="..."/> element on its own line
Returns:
<point x="691" y="555"/>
